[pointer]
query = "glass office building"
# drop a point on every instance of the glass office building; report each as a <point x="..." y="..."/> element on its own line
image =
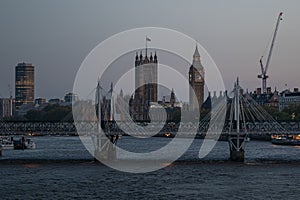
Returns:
<point x="24" y="84"/>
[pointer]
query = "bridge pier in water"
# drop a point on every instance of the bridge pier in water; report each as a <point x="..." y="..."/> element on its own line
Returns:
<point x="106" y="148"/>
<point x="237" y="148"/>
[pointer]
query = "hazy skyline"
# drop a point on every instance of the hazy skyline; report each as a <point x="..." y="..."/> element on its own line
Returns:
<point x="56" y="36"/>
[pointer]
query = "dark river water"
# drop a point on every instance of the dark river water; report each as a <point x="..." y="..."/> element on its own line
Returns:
<point x="61" y="168"/>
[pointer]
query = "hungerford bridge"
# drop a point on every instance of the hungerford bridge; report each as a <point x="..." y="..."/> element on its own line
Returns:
<point x="254" y="121"/>
<point x="263" y="129"/>
<point x="237" y="119"/>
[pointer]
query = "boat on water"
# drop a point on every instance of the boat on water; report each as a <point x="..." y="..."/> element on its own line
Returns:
<point x="24" y="143"/>
<point x="6" y="142"/>
<point x="286" y="139"/>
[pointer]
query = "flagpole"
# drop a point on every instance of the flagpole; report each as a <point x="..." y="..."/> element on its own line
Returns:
<point x="147" y="40"/>
<point x="146" y="45"/>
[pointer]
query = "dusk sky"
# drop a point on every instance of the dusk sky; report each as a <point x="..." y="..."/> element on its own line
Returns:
<point x="56" y="36"/>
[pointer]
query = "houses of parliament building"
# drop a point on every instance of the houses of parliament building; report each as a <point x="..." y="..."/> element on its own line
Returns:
<point x="146" y="87"/>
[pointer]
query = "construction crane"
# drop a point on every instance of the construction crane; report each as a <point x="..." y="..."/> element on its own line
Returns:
<point x="264" y="68"/>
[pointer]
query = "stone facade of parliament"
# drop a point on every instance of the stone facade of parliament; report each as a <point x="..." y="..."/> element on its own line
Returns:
<point x="146" y="89"/>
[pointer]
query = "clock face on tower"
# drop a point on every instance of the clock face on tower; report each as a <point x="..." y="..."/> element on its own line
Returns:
<point x="198" y="76"/>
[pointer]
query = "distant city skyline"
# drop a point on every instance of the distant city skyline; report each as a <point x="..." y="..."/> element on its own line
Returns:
<point x="56" y="37"/>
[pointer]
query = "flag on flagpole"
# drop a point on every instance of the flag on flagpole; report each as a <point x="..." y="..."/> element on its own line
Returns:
<point x="148" y="39"/>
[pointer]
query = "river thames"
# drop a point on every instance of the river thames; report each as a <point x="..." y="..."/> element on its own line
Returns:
<point x="61" y="168"/>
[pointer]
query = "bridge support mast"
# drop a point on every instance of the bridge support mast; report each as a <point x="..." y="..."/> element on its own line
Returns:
<point x="236" y="140"/>
<point x="105" y="141"/>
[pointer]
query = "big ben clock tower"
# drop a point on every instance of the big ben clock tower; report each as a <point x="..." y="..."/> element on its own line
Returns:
<point x="196" y="81"/>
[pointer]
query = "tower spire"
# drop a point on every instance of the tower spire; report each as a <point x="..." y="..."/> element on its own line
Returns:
<point x="196" y="56"/>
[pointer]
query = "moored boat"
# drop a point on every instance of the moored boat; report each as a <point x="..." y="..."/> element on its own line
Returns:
<point x="286" y="139"/>
<point x="24" y="143"/>
<point x="6" y="142"/>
